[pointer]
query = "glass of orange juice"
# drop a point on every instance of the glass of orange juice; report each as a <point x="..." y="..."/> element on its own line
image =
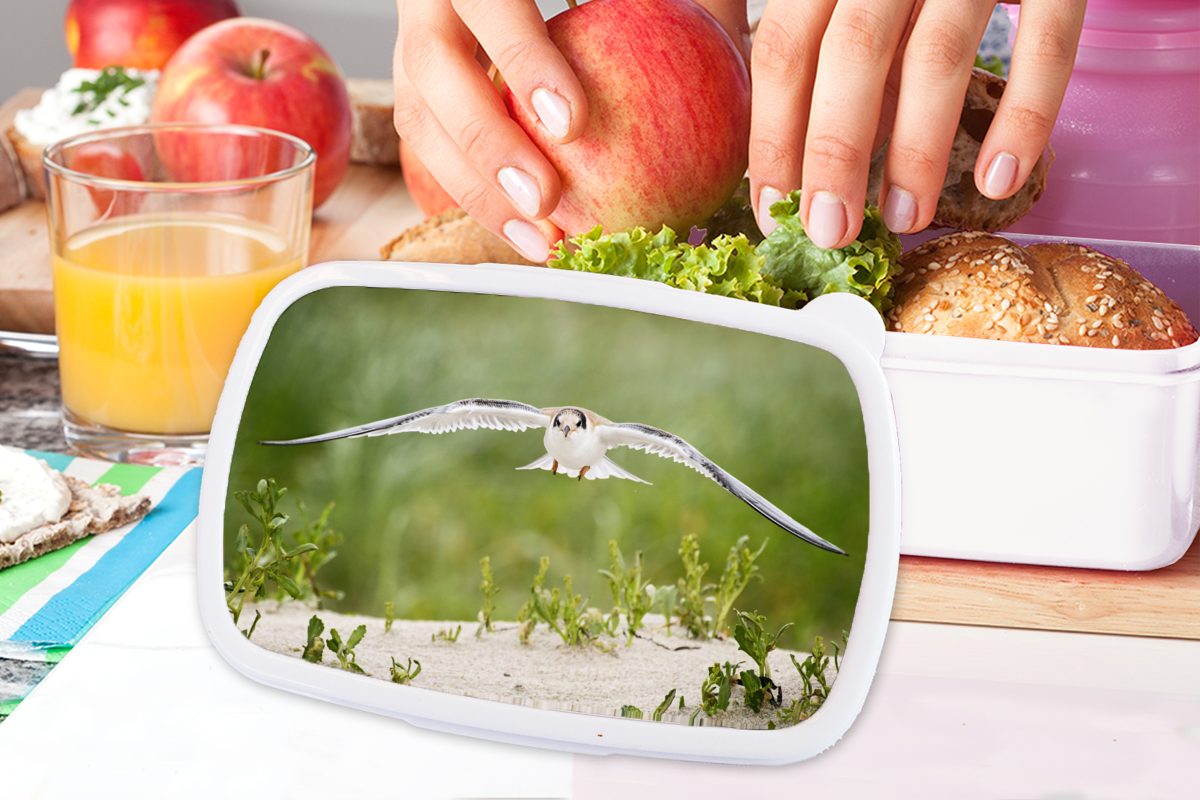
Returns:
<point x="164" y="238"/>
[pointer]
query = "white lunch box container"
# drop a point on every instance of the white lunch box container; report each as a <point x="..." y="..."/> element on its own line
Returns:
<point x="1064" y="456"/>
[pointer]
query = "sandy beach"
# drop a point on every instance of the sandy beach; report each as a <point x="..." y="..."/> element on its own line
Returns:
<point x="543" y="673"/>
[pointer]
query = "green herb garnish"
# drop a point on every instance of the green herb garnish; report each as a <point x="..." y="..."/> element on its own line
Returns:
<point x="93" y="93"/>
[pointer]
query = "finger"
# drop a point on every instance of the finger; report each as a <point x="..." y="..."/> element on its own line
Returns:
<point x="856" y="54"/>
<point x="438" y="60"/>
<point x="514" y="37"/>
<point x="783" y="63"/>
<point x="1042" y="60"/>
<point x="475" y="195"/>
<point x="936" y="68"/>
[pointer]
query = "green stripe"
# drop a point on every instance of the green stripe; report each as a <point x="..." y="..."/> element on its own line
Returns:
<point x="130" y="478"/>
<point x="56" y="654"/>
<point x="7" y="707"/>
<point x="16" y="581"/>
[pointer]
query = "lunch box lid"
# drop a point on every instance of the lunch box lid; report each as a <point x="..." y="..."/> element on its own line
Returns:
<point x="846" y="327"/>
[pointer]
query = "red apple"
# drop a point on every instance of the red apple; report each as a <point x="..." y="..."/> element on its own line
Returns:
<point x="137" y="33"/>
<point x="428" y="194"/>
<point x="263" y="73"/>
<point x="668" y="115"/>
<point x="107" y="160"/>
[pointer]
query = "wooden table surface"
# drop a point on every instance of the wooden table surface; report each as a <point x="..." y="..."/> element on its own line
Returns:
<point x="372" y="206"/>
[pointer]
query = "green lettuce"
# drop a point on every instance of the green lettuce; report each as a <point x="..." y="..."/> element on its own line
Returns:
<point x="786" y="269"/>
<point x="864" y="267"/>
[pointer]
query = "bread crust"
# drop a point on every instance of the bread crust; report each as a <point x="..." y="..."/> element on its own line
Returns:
<point x="960" y="205"/>
<point x="29" y="155"/>
<point x="977" y="285"/>
<point x="12" y="176"/>
<point x="375" y="140"/>
<point x="451" y="238"/>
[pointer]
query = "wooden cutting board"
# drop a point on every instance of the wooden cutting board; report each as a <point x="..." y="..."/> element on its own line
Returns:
<point x="366" y="212"/>
<point x="1164" y="602"/>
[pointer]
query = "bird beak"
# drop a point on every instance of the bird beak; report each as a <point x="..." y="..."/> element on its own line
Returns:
<point x="566" y="429"/>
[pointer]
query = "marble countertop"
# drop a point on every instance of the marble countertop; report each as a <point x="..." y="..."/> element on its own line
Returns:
<point x="29" y="402"/>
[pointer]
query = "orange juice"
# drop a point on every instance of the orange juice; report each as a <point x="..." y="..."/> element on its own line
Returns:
<point x="149" y="311"/>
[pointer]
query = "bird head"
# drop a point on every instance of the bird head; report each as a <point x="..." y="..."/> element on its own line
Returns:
<point x="569" y="420"/>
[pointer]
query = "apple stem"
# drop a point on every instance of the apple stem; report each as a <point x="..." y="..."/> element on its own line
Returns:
<point x="572" y="3"/>
<point x="259" y="70"/>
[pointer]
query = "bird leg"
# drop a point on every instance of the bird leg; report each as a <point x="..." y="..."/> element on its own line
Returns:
<point x="554" y="467"/>
<point x="583" y="472"/>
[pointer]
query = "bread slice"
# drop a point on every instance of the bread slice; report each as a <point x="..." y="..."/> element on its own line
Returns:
<point x="12" y="176"/>
<point x="451" y="238"/>
<point x="960" y="204"/>
<point x="986" y="287"/>
<point x="93" y="510"/>
<point x="29" y="156"/>
<point x="375" y="140"/>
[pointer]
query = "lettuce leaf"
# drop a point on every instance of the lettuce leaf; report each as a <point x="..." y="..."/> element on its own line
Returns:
<point x="728" y="265"/>
<point x="864" y="267"/>
<point x="786" y="269"/>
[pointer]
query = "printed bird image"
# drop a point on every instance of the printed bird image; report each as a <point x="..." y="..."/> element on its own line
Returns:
<point x="577" y="442"/>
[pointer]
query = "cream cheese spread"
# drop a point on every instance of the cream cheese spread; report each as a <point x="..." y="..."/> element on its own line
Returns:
<point x="87" y="100"/>
<point x="31" y="494"/>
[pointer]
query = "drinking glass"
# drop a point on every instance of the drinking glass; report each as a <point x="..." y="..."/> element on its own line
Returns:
<point x="164" y="238"/>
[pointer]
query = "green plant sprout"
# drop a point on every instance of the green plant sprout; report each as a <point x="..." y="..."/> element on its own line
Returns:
<point x="755" y="641"/>
<point x="755" y="690"/>
<point x="662" y="707"/>
<point x="405" y="675"/>
<point x="629" y="591"/>
<point x="739" y="571"/>
<point x="489" y="589"/>
<point x="344" y="650"/>
<point x="564" y="612"/>
<point x="814" y="684"/>
<point x="269" y="564"/>
<point x="691" y="588"/>
<point x="446" y="635"/>
<point x="664" y="599"/>
<point x="305" y="567"/>
<point x="389" y="616"/>
<point x="716" y="690"/>
<point x="314" y="646"/>
<point x="631" y="712"/>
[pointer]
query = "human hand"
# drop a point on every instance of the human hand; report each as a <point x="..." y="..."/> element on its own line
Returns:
<point x="449" y="112"/>
<point x="833" y="78"/>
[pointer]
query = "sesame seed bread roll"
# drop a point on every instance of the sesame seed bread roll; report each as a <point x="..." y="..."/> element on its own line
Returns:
<point x="985" y="287"/>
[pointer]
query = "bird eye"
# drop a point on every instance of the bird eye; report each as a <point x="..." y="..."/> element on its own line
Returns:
<point x="556" y="422"/>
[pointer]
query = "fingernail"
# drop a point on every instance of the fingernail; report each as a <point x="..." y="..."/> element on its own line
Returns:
<point x="767" y="197"/>
<point x="1001" y="175"/>
<point x="522" y="189"/>
<point x="553" y="111"/>
<point x="826" y="219"/>
<point x="899" y="210"/>
<point x="528" y="240"/>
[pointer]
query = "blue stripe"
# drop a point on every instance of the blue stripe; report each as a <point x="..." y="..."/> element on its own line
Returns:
<point x="65" y="617"/>
<point x="58" y="461"/>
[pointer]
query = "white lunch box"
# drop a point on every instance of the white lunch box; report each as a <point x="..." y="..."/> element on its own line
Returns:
<point x="1052" y="455"/>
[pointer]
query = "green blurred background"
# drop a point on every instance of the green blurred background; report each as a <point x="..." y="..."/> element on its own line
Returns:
<point x="419" y="511"/>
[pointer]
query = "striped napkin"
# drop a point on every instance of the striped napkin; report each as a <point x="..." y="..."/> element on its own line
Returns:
<point x="48" y="603"/>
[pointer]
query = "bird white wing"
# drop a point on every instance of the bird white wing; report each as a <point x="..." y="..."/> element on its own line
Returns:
<point x="500" y="415"/>
<point x="655" y="441"/>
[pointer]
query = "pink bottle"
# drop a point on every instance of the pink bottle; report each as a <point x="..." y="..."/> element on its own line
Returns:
<point x="1127" y="142"/>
